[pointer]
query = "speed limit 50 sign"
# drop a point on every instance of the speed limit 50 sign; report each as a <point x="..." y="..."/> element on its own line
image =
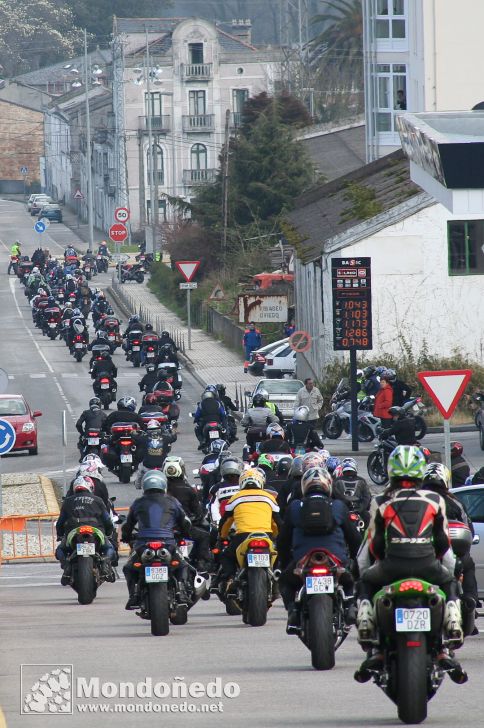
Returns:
<point x="121" y="214"/>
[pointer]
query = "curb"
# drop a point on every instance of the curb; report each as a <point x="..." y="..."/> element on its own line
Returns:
<point x="49" y="494"/>
<point x="456" y="428"/>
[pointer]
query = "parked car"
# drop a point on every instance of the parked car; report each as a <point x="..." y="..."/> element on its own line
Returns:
<point x="51" y="212"/>
<point x="31" y="199"/>
<point x="15" y="409"/>
<point x="39" y="202"/>
<point x="258" y="357"/>
<point x="282" y="392"/>
<point x="472" y="496"/>
<point x="280" y="362"/>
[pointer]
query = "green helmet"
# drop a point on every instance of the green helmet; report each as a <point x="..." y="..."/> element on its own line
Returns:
<point x="406" y="462"/>
<point x="265" y="461"/>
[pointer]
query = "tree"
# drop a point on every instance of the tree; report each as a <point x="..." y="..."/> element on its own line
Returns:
<point x="34" y="33"/>
<point x="292" y="112"/>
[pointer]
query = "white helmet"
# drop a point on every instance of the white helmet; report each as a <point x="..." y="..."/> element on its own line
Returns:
<point x="83" y="483"/>
<point x="316" y="478"/>
<point x="172" y="470"/>
<point x="93" y="458"/>
<point x="301" y="414"/>
<point x="90" y="469"/>
<point x="35" y="270"/>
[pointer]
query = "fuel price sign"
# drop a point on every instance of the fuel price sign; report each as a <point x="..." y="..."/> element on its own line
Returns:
<point x="351" y="283"/>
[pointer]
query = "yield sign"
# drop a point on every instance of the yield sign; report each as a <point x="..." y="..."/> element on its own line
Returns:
<point x="445" y="388"/>
<point x="187" y="268"/>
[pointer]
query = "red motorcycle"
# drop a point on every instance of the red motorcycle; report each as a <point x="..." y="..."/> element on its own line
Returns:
<point x="123" y="443"/>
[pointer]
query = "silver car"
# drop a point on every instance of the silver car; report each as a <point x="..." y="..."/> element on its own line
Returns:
<point x="472" y="497"/>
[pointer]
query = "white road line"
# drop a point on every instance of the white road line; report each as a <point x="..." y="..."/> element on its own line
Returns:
<point x="39" y="375"/>
<point x="41" y="353"/>
<point x="68" y="375"/>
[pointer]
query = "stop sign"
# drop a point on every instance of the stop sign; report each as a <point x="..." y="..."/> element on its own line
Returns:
<point x="118" y="232"/>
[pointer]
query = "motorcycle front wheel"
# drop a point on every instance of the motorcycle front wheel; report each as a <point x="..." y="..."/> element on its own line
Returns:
<point x="420" y="427"/>
<point x="332" y="427"/>
<point x="365" y="433"/>
<point x="376" y="469"/>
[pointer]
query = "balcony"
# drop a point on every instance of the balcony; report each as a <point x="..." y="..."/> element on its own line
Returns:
<point x="235" y="119"/>
<point x="192" y="177"/>
<point x="160" y="124"/>
<point x="199" y="122"/>
<point x="197" y="71"/>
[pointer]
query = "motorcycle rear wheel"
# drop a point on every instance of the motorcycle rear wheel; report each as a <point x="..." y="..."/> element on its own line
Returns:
<point x="84" y="582"/>
<point x="78" y="356"/>
<point x="257" y="596"/>
<point x="332" y="427"/>
<point x="481" y="438"/>
<point x="320" y="631"/>
<point x="124" y="473"/>
<point x="411" y="695"/>
<point x="158" y="600"/>
<point x="365" y="433"/>
<point x="420" y="427"/>
<point x="378" y="475"/>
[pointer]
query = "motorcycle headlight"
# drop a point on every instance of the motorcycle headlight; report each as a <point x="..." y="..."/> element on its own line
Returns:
<point x="28" y="427"/>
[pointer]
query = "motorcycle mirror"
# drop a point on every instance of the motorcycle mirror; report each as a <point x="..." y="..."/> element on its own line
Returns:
<point x="476" y="539"/>
<point x="112" y="498"/>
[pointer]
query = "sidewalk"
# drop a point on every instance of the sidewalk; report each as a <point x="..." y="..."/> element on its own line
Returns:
<point x="209" y="360"/>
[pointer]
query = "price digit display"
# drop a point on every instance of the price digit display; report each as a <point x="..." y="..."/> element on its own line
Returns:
<point x="351" y="282"/>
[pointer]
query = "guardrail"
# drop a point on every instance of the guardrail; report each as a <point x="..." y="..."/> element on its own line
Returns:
<point x="132" y="304"/>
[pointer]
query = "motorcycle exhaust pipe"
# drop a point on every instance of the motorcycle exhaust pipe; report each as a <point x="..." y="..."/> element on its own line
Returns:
<point x="434" y="601"/>
<point x="386" y="603"/>
<point x="277" y="573"/>
<point x="200" y="586"/>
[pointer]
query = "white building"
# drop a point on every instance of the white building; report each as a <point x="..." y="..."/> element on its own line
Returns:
<point x="198" y="71"/>
<point x="420" y="55"/>
<point x="426" y="266"/>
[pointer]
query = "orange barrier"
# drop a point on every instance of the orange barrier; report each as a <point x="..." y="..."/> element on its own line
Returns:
<point x="33" y="536"/>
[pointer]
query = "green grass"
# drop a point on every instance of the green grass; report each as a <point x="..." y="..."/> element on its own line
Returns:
<point x="123" y="248"/>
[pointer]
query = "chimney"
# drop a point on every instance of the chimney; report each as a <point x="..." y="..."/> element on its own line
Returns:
<point x="242" y="29"/>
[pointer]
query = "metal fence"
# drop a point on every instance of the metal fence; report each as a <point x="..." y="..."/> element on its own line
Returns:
<point x="130" y="301"/>
<point x="224" y="328"/>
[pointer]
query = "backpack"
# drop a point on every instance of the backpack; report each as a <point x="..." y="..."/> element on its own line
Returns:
<point x="317" y="516"/>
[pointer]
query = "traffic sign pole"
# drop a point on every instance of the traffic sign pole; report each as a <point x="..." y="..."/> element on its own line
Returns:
<point x="354" y="402"/>
<point x="448" y="460"/>
<point x="189" y="319"/>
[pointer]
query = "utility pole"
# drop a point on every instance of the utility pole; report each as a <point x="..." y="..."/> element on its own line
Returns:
<point x="150" y="146"/>
<point x="225" y="183"/>
<point x="88" y="148"/>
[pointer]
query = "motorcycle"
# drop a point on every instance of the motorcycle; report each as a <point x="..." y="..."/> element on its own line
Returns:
<point x="87" y="568"/>
<point x="52" y="327"/>
<point x="91" y="442"/>
<point x="105" y="388"/>
<point x="111" y="327"/>
<point x="162" y="600"/>
<point x="255" y="436"/>
<point x="416" y="408"/>
<point x="101" y="263"/>
<point x="14" y="260"/>
<point x="122" y="442"/>
<point x="88" y="270"/>
<point x="377" y="461"/>
<point x="174" y="378"/>
<point x="79" y="346"/>
<point x="133" y="349"/>
<point x="409" y="615"/>
<point x="252" y="590"/>
<point x="132" y="272"/>
<point x="321" y="601"/>
<point x="212" y="431"/>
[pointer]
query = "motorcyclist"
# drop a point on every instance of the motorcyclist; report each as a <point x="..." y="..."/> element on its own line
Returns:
<point x="353" y="488"/>
<point x="401" y="391"/>
<point x="403" y="427"/>
<point x="256" y="420"/>
<point x="251" y="510"/>
<point x="275" y="441"/>
<point x="70" y="252"/>
<point x="459" y="466"/>
<point x="104" y="250"/>
<point x="103" y="365"/>
<point x="100" y="307"/>
<point x="161" y="383"/>
<point x="153" y="447"/>
<point x="267" y="464"/>
<point x="126" y="412"/>
<point x="292" y="487"/>
<point x="77" y="325"/>
<point x="165" y="339"/>
<point x="179" y="488"/>
<point x="15" y="252"/>
<point x="315" y="522"/>
<point x="230" y="409"/>
<point x="401" y="513"/>
<point x="282" y="469"/>
<point x="209" y="410"/>
<point x="147" y="383"/>
<point x="300" y="431"/>
<point x="272" y="406"/>
<point x="83" y="508"/>
<point x="91" y="418"/>
<point x="51" y="311"/>
<point x="371" y="381"/>
<point x="230" y="471"/>
<point x="157" y="515"/>
<point x="134" y="324"/>
<point x="91" y="466"/>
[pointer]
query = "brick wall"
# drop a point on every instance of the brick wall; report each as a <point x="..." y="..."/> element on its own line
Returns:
<point x="22" y="141"/>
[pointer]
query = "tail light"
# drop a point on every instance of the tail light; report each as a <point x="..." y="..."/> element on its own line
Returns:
<point x="93" y="434"/>
<point x="86" y="529"/>
<point x="78" y="338"/>
<point x="104" y="380"/>
<point x="125" y="442"/>
<point x="270" y="362"/>
<point x="258" y="543"/>
<point x="354" y="517"/>
<point x="182" y="543"/>
<point x="225" y="542"/>
<point x="411" y="584"/>
<point x="319" y="571"/>
<point x="156" y="544"/>
<point x="136" y="342"/>
<point x="150" y="348"/>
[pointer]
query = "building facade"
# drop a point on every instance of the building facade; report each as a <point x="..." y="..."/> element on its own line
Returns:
<point x="22" y="134"/>
<point x="419" y="55"/>
<point x="198" y="71"/>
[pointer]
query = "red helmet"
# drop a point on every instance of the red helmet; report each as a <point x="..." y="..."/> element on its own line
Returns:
<point x="456" y="448"/>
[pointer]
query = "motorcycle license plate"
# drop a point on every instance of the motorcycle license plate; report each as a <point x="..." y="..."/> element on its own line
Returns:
<point x="184" y="550"/>
<point x="150" y="355"/>
<point x="85" y="549"/>
<point x="136" y="348"/>
<point x="319" y="585"/>
<point x="259" y="560"/>
<point x="156" y="573"/>
<point x="214" y="435"/>
<point x="52" y="326"/>
<point x="111" y="337"/>
<point x="93" y="440"/>
<point x="78" y="346"/>
<point x="412" y="620"/>
<point x="126" y="458"/>
<point x="105" y="386"/>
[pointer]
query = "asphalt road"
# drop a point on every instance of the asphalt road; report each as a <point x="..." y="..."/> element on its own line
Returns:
<point x="41" y="623"/>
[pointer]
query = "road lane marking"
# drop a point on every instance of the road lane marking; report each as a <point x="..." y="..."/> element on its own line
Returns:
<point x="41" y="353"/>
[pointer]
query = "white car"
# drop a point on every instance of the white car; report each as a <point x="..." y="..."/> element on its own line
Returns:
<point x="258" y="357"/>
<point x="38" y="203"/>
<point x="282" y="392"/>
<point x="280" y="362"/>
<point x="472" y="497"/>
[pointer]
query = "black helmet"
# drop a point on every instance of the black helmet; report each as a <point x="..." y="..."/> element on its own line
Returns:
<point x="165" y="334"/>
<point x="134" y="319"/>
<point x="369" y="371"/>
<point x="94" y="403"/>
<point x="259" y="400"/>
<point x="51" y="301"/>
<point x="149" y="327"/>
<point x="396" y="411"/>
<point x="221" y="389"/>
<point x="284" y="465"/>
<point x="150" y="367"/>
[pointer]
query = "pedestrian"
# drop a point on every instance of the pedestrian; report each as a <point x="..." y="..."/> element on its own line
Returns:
<point x="289" y="328"/>
<point x="251" y="341"/>
<point x="309" y="396"/>
<point x="384" y="400"/>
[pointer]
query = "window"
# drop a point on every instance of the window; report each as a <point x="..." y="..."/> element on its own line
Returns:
<point x="161" y="210"/>
<point x="197" y="100"/>
<point x="391" y="87"/>
<point x="239" y="97"/>
<point x="466" y="247"/>
<point x="195" y="52"/>
<point x="198" y="157"/>
<point x="159" y="170"/>
<point x="390" y="21"/>
<point x="153" y="104"/>
<point x="473" y="501"/>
